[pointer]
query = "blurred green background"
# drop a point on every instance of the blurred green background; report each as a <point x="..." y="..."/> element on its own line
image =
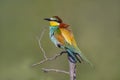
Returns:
<point x="96" y="26"/>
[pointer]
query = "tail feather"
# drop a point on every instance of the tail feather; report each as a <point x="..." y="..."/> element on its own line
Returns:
<point x="71" y="56"/>
<point x="76" y="55"/>
<point x="84" y="59"/>
<point x="71" y="59"/>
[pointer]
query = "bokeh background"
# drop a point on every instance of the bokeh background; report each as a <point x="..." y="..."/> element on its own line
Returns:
<point x="95" y="24"/>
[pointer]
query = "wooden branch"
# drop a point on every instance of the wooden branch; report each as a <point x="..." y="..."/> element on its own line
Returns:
<point x="72" y="70"/>
<point x="54" y="70"/>
<point x="43" y="51"/>
<point x="72" y="66"/>
<point x="49" y="59"/>
<point x="40" y="45"/>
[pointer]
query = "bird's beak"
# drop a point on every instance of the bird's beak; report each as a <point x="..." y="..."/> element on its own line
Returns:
<point x="48" y="19"/>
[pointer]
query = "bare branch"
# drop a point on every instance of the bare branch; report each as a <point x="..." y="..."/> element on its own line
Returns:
<point x="72" y="71"/>
<point x="49" y="59"/>
<point x="43" y="51"/>
<point x="39" y="42"/>
<point x="54" y="70"/>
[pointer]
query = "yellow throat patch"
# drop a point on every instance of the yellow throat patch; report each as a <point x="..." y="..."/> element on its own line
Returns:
<point x="54" y="23"/>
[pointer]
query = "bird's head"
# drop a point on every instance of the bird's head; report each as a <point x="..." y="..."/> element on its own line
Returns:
<point x="54" y="21"/>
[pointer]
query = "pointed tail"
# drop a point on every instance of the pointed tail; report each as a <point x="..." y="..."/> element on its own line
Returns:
<point x="73" y="57"/>
<point x="77" y="55"/>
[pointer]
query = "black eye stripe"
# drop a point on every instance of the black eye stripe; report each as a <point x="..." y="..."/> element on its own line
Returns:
<point x="56" y="20"/>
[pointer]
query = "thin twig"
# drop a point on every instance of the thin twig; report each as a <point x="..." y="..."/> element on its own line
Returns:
<point x="40" y="45"/>
<point x="49" y="59"/>
<point x="45" y="57"/>
<point x="54" y="70"/>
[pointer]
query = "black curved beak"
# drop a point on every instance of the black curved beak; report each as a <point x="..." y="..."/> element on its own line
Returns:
<point x="48" y="19"/>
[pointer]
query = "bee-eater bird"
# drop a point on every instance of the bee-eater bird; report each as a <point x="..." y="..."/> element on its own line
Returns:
<point x="62" y="37"/>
